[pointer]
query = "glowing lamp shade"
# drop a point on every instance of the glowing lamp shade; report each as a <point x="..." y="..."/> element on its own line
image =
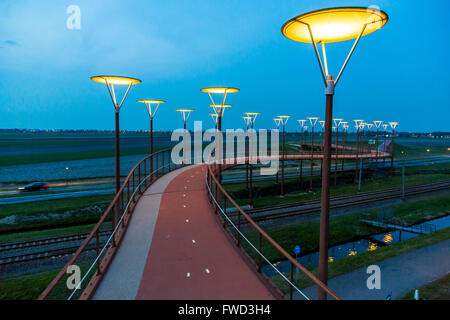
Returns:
<point x="220" y="106"/>
<point x="219" y="90"/>
<point x="151" y="101"/>
<point x="334" y="24"/>
<point x="116" y="80"/>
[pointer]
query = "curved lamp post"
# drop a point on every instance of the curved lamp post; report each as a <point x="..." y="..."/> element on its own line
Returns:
<point x="313" y="121"/>
<point x="283" y="121"/>
<point x="325" y="26"/>
<point x="393" y="126"/>
<point x="185" y="113"/>
<point x="251" y="121"/>
<point x="302" y="124"/>
<point x="219" y="109"/>
<point x="110" y="82"/>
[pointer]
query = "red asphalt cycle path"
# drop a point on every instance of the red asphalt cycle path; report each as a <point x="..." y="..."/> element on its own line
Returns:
<point x="190" y="256"/>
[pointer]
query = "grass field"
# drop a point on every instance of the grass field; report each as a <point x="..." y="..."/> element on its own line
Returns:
<point x="436" y="290"/>
<point x="59" y="213"/>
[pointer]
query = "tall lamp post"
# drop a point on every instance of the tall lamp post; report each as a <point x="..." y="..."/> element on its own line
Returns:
<point x="151" y="112"/>
<point x="344" y="131"/>
<point x="302" y="124"/>
<point x="251" y="121"/>
<point x="110" y="82"/>
<point x="185" y="113"/>
<point x="277" y="124"/>
<point x="357" y="126"/>
<point x="393" y="126"/>
<point x="369" y="136"/>
<point x="247" y="126"/>
<point x="377" y="124"/>
<point x="384" y="125"/>
<point x="337" y="123"/>
<point x="219" y="109"/>
<point x="283" y="120"/>
<point x="313" y="121"/>
<point x="325" y="26"/>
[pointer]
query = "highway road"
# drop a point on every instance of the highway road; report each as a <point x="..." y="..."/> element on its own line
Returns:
<point x="230" y="176"/>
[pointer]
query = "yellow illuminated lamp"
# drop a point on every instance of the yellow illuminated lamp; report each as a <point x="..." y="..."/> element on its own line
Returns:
<point x="322" y="123"/>
<point x="219" y="90"/>
<point x="337" y="122"/>
<point x="313" y="120"/>
<point x="148" y="104"/>
<point x="393" y="125"/>
<point x="252" y="116"/>
<point x="277" y="122"/>
<point x="378" y="123"/>
<point x="185" y="113"/>
<point x="284" y="119"/>
<point x="111" y="81"/>
<point x="220" y="109"/>
<point x="334" y="24"/>
<point x="302" y="123"/>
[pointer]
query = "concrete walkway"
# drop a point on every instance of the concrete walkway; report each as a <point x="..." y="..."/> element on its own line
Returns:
<point x="399" y="275"/>
<point x="175" y="248"/>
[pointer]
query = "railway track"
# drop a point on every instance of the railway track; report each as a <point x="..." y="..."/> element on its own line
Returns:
<point x="40" y="248"/>
<point x="338" y="202"/>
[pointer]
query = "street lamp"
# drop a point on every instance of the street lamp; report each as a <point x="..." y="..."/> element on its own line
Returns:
<point x="251" y="121"/>
<point x="384" y="125"/>
<point x="151" y="112"/>
<point x="110" y="82"/>
<point x="313" y="121"/>
<point x="357" y="127"/>
<point x="219" y="109"/>
<point x="283" y="120"/>
<point x="277" y="124"/>
<point x="377" y="125"/>
<point x="325" y="26"/>
<point x="67" y="176"/>
<point x="185" y="113"/>
<point x="337" y="123"/>
<point x="393" y="126"/>
<point x="302" y="124"/>
<point x="344" y="131"/>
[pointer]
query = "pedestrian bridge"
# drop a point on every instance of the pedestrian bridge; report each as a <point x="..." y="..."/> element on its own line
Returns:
<point x="172" y="238"/>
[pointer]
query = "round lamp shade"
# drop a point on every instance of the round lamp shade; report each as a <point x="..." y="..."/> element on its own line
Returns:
<point x="220" y="90"/>
<point x="334" y="24"/>
<point x="151" y="101"/>
<point x="117" y="80"/>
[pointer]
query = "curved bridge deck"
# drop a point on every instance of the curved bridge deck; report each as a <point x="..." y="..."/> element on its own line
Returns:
<point x="175" y="248"/>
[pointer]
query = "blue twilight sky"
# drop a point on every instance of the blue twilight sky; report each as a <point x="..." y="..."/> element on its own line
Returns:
<point x="177" y="47"/>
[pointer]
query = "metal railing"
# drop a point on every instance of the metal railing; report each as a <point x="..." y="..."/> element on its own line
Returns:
<point x="115" y="218"/>
<point x="219" y="199"/>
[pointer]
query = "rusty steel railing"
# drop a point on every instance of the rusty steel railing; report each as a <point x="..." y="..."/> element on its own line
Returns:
<point x="115" y="218"/>
<point x="219" y="199"/>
